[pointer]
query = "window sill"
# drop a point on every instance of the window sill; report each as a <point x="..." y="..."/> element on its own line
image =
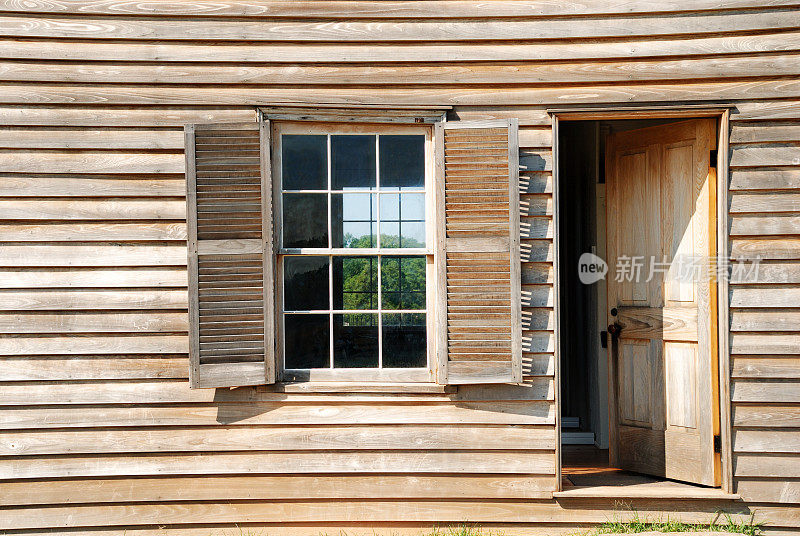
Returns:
<point x="363" y="387"/>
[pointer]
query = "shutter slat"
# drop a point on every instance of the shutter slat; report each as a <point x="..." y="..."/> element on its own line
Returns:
<point x="231" y="260"/>
<point x="479" y="313"/>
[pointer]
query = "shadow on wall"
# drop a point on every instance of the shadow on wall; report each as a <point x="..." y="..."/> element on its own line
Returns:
<point x="243" y="403"/>
<point x="533" y="398"/>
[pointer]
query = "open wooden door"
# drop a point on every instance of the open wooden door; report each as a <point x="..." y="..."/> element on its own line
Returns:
<point x="662" y="301"/>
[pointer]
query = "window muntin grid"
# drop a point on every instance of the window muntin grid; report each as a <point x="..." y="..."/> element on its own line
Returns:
<point x="393" y="240"/>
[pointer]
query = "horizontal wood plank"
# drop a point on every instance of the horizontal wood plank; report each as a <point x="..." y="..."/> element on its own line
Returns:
<point x="26" y="161"/>
<point x="253" y="413"/>
<point x="88" y="232"/>
<point x="360" y="511"/>
<point x="116" y="139"/>
<point x="100" y="254"/>
<point x="90" y="186"/>
<point x="531" y="73"/>
<point x="88" y="322"/>
<point x="356" y="31"/>
<point x="272" y="487"/>
<point x="91" y="277"/>
<point x="71" y="368"/>
<point x="766" y="367"/>
<point x="388" y="9"/>
<point x="20" y="345"/>
<point x="270" y="52"/>
<point x="74" y="300"/>
<point x="43" y="94"/>
<point x="280" y="438"/>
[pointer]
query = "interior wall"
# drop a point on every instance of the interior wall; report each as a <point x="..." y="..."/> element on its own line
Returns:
<point x="577" y="225"/>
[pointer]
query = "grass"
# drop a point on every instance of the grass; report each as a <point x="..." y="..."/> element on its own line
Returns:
<point x="461" y="530"/>
<point x="636" y="525"/>
<point x="722" y="523"/>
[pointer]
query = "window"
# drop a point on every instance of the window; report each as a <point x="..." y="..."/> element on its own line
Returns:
<point x="311" y="251"/>
<point x="354" y="257"/>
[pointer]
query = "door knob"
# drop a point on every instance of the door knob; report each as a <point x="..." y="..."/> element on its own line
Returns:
<point x="615" y="329"/>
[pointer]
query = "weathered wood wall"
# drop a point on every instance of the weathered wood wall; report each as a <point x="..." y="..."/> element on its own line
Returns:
<point x="96" y="407"/>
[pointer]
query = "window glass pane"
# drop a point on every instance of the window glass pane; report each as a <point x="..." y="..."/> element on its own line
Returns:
<point x="404" y="340"/>
<point x="307" y="341"/>
<point x="355" y="340"/>
<point x="352" y="162"/>
<point x="402" y="220"/>
<point x="355" y="283"/>
<point x="304" y="162"/>
<point x="305" y="220"/>
<point x="305" y="283"/>
<point x="354" y="220"/>
<point x="403" y="282"/>
<point x="402" y="161"/>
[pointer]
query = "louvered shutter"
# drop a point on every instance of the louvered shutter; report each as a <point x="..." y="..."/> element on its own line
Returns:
<point x="479" y="325"/>
<point x="231" y="262"/>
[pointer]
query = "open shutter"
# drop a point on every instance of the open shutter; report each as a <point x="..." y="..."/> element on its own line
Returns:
<point x="231" y="262"/>
<point x="479" y="325"/>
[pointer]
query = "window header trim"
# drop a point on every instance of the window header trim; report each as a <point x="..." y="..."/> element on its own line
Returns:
<point x="418" y="115"/>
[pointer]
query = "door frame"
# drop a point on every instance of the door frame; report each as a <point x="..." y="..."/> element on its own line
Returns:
<point x="666" y="111"/>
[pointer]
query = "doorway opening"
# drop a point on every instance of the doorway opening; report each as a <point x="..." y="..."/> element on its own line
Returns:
<point x="638" y="360"/>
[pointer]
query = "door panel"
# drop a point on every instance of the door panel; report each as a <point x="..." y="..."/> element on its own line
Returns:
<point x="663" y="361"/>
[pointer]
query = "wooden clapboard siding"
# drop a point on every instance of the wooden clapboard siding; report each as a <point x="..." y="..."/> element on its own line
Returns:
<point x="765" y="333"/>
<point x="95" y="403"/>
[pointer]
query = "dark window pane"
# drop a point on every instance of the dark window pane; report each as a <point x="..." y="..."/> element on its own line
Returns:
<point x="403" y="282"/>
<point x="402" y="220"/>
<point x="355" y="340"/>
<point x="355" y="282"/>
<point x="354" y="220"/>
<point x="304" y="162"/>
<point x="402" y="161"/>
<point x="305" y="283"/>
<point x="307" y="341"/>
<point x="305" y="220"/>
<point x="352" y="161"/>
<point x="404" y="340"/>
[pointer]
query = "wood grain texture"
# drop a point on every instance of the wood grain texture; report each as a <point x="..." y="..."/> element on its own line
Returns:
<point x="441" y="73"/>
<point x="87" y="232"/>
<point x="92" y="277"/>
<point x="138" y="117"/>
<point x="271" y="487"/>
<point x="442" y="53"/>
<point x="50" y="185"/>
<point x="357" y="31"/>
<point x="278" y="413"/>
<point x="362" y="511"/>
<point x="25" y="161"/>
<point x="133" y="95"/>
<point x="104" y="367"/>
<point x="100" y="254"/>
<point x="93" y="272"/>
<point x="156" y="322"/>
<point x="90" y="139"/>
<point x="298" y="438"/>
<point x="367" y="9"/>
<point x="532" y="462"/>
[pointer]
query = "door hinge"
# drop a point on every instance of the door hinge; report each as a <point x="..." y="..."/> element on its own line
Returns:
<point x="717" y="444"/>
<point x="713" y="158"/>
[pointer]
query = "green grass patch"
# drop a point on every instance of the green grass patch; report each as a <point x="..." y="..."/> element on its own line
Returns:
<point x="461" y="530"/>
<point x="722" y="523"/>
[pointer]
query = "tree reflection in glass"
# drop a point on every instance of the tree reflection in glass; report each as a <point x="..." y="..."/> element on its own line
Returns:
<point x="355" y="283"/>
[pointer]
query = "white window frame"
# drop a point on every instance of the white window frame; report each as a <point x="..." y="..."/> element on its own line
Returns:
<point x="406" y="375"/>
